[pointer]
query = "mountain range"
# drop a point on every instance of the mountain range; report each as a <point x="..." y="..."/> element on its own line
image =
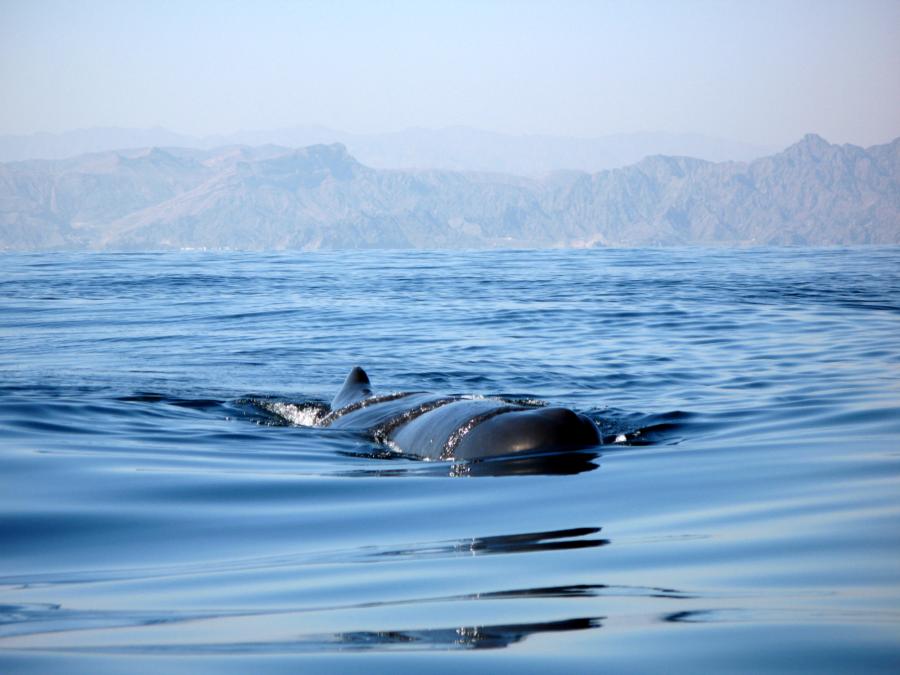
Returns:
<point x="455" y="148"/>
<point x="320" y="196"/>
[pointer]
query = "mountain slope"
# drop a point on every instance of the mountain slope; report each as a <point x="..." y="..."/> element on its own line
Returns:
<point x="813" y="193"/>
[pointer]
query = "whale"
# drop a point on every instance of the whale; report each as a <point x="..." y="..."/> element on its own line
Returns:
<point x="454" y="427"/>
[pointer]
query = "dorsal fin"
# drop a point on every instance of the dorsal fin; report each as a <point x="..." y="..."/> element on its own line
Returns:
<point x="356" y="388"/>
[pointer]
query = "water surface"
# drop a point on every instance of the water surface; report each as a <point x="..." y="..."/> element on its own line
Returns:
<point x="166" y="504"/>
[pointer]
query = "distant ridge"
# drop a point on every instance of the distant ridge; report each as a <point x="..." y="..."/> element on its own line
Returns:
<point x="272" y="197"/>
<point x="455" y="148"/>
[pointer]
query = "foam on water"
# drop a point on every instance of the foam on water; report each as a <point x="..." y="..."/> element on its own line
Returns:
<point x="301" y="415"/>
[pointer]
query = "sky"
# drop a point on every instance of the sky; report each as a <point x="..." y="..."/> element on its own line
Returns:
<point x="761" y="72"/>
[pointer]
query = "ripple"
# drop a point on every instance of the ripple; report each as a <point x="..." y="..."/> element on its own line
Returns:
<point x="164" y="488"/>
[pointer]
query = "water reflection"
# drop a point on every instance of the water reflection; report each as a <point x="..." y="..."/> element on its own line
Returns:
<point x="553" y="540"/>
<point x="30" y="620"/>
<point x="574" y="538"/>
<point x="426" y="639"/>
<point x="550" y="464"/>
<point x="688" y="616"/>
<point x="463" y="637"/>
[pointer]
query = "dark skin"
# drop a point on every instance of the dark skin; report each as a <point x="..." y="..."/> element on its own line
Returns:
<point x="435" y="427"/>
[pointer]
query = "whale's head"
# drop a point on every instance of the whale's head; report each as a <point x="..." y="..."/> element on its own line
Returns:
<point x="529" y="431"/>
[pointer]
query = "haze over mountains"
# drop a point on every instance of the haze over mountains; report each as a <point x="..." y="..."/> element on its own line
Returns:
<point x="273" y="197"/>
<point x="456" y="148"/>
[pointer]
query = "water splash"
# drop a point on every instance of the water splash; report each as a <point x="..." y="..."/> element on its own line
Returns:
<point x="297" y="414"/>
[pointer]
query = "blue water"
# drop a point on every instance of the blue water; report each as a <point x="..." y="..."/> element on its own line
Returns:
<point x="167" y="504"/>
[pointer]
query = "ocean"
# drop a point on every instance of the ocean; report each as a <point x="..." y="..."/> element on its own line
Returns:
<point x="168" y="503"/>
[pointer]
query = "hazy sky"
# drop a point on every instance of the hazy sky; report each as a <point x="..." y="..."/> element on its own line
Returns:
<point x="764" y="72"/>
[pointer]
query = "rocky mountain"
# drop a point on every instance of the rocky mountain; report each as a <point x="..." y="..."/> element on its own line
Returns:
<point x="272" y="197"/>
<point x="455" y="148"/>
